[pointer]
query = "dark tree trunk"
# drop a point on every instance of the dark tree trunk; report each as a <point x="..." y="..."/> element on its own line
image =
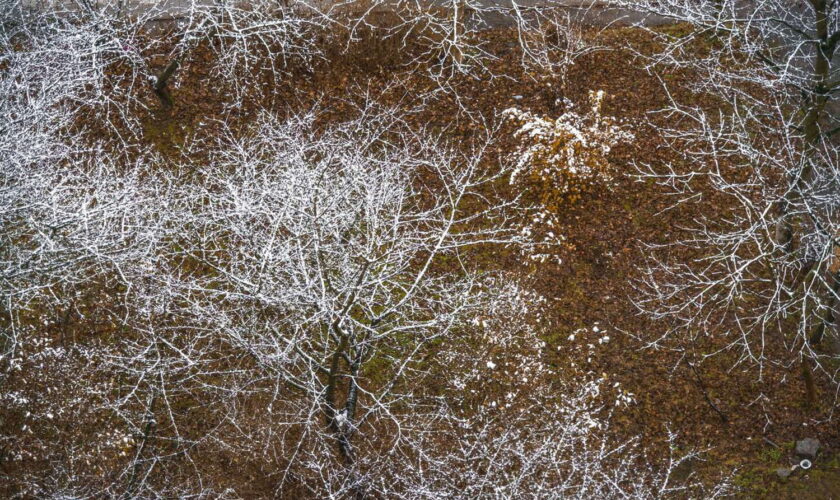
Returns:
<point x="160" y="84"/>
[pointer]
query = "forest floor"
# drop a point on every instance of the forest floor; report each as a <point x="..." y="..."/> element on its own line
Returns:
<point x="593" y="284"/>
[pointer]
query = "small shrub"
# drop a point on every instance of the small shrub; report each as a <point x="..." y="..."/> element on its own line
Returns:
<point x="561" y="158"/>
<point x="569" y="152"/>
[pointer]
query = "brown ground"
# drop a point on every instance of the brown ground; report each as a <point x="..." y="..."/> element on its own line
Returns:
<point x="594" y="283"/>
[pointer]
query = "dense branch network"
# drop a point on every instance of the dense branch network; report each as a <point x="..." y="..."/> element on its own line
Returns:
<point x="296" y="296"/>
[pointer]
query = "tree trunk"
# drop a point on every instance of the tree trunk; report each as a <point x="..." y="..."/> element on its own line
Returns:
<point x="810" y="385"/>
<point x="812" y="111"/>
<point x="160" y="85"/>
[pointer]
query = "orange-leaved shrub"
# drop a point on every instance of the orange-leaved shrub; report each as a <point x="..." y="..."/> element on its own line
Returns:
<point x="568" y="152"/>
<point x="560" y="159"/>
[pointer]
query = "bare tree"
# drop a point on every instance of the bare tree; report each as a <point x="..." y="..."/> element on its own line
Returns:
<point x="65" y="197"/>
<point x="764" y="270"/>
<point x="246" y="38"/>
<point x="294" y="298"/>
<point x="553" y="37"/>
<point x="339" y="238"/>
<point x="76" y="219"/>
